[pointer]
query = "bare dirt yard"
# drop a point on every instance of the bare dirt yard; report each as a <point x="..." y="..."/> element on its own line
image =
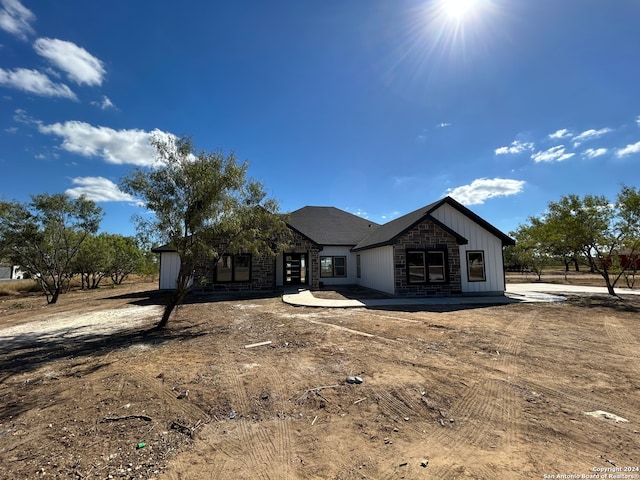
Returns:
<point x="486" y="392"/>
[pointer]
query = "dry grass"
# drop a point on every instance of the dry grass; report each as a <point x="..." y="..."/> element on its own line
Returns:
<point x="560" y="277"/>
<point x="10" y="288"/>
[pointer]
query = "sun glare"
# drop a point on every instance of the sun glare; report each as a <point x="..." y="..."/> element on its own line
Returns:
<point x="457" y="9"/>
<point x="446" y="35"/>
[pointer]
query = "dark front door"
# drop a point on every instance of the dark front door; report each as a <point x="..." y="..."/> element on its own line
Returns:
<point x="295" y="269"/>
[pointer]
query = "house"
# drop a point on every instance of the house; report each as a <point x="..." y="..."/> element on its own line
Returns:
<point x="441" y="249"/>
<point x="12" y="272"/>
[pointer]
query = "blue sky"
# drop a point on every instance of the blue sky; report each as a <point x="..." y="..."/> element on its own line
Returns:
<point x="375" y="107"/>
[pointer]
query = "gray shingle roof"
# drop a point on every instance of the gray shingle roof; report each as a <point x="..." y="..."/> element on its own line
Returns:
<point x="387" y="234"/>
<point x="330" y="225"/>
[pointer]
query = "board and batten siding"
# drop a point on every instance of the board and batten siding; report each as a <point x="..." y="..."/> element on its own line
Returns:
<point x="479" y="239"/>
<point x="169" y="269"/>
<point x="339" y="251"/>
<point x="376" y="267"/>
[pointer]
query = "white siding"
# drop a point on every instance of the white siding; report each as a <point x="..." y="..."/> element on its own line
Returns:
<point x="377" y="269"/>
<point x="169" y="269"/>
<point x="350" y="279"/>
<point x="479" y="239"/>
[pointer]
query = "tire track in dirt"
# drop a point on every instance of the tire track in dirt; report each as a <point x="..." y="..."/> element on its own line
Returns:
<point x="162" y="403"/>
<point x="623" y="341"/>
<point x="265" y="446"/>
<point x="253" y="443"/>
<point x="488" y="402"/>
<point x="488" y="405"/>
<point x="399" y="405"/>
<point x="133" y="377"/>
<point x="567" y="397"/>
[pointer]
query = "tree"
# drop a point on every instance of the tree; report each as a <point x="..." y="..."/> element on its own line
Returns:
<point x="108" y="255"/>
<point x="628" y="224"/>
<point x="530" y="250"/>
<point x="598" y="229"/>
<point x="92" y="261"/>
<point x="126" y="258"/>
<point x="204" y="207"/>
<point x="44" y="236"/>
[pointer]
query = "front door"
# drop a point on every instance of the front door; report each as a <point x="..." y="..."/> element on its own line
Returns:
<point x="295" y="269"/>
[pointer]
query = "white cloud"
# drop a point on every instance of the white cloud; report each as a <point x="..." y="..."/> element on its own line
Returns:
<point x="554" y="154"/>
<point x="484" y="188"/>
<point x="515" y="148"/>
<point x="114" y="146"/>
<point x="594" y="152"/>
<point x="16" y="19"/>
<point x="560" y="134"/>
<point x="33" y="81"/>
<point x="390" y="216"/>
<point x="638" y="120"/>
<point x="21" y="116"/>
<point x="589" y="134"/>
<point x="105" y="104"/>
<point x="628" y="150"/>
<point x="443" y="124"/>
<point x="79" y="65"/>
<point x="99" y="189"/>
<point x="361" y="213"/>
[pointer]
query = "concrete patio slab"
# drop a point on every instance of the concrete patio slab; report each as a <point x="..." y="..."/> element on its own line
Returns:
<point x="520" y="288"/>
<point x="305" y="298"/>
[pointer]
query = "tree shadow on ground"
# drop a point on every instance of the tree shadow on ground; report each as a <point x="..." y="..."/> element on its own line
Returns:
<point x="142" y="299"/>
<point x="28" y="352"/>
<point x="157" y="297"/>
<point x="627" y="303"/>
<point x="349" y="292"/>
<point x="447" y="308"/>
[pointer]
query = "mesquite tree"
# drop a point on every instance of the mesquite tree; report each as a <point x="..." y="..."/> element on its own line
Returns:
<point x="44" y="236"/>
<point x="200" y="200"/>
<point x="601" y="231"/>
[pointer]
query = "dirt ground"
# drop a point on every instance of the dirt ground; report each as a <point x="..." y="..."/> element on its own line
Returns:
<point x="491" y="392"/>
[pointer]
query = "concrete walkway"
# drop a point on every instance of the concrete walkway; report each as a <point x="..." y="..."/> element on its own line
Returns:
<point x="305" y="298"/>
<point x="516" y="293"/>
<point x="517" y="288"/>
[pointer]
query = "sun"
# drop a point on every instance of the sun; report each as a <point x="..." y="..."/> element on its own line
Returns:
<point x="457" y="9"/>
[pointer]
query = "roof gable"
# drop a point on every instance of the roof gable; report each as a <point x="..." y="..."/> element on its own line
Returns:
<point x="505" y="239"/>
<point x="388" y="233"/>
<point x="330" y="225"/>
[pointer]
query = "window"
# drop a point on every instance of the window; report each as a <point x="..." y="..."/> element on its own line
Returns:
<point x="333" y="267"/>
<point x="475" y="266"/>
<point x="224" y="269"/>
<point x="242" y="268"/>
<point x="233" y="268"/>
<point x="426" y="266"/>
<point x="437" y="272"/>
<point x="358" y="267"/>
<point x="416" y="267"/>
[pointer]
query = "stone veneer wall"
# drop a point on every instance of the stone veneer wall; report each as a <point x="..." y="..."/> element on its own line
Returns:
<point x="263" y="270"/>
<point x="262" y="276"/>
<point x="426" y="235"/>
